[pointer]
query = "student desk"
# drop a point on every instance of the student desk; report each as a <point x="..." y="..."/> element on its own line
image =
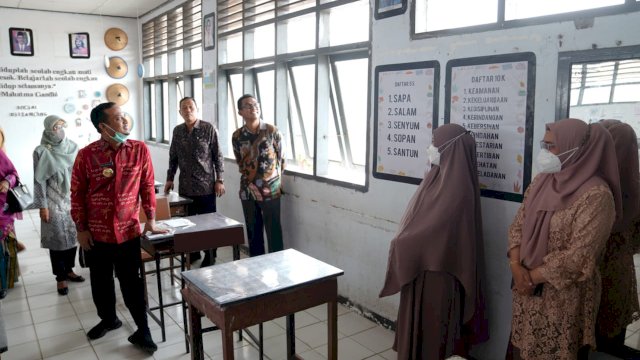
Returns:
<point x="210" y="231"/>
<point x="250" y="291"/>
<point x="177" y="204"/>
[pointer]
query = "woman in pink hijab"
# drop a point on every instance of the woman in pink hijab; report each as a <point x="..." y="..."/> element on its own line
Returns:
<point x="619" y="299"/>
<point x="556" y="240"/>
<point x="436" y="258"/>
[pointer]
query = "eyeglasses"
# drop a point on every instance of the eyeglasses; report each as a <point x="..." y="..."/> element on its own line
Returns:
<point x="58" y="127"/>
<point x="546" y="145"/>
<point x="251" y="106"/>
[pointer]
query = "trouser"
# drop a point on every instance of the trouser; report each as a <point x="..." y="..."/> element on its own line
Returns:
<point x="103" y="258"/>
<point x="259" y="215"/>
<point x="203" y="204"/>
<point x="62" y="262"/>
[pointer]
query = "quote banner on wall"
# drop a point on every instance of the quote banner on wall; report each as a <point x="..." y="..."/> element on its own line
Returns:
<point x="493" y="97"/>
<point x="406" y="111"/>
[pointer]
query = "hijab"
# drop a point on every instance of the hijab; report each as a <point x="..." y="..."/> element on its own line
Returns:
<point x="429" y="240"/>
<point x="56" y="156"/>
<point x="626" y="145"/>
<point x="593" y="164"/>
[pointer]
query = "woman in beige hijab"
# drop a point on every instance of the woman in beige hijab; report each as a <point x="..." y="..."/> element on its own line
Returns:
<point x="436" y="262"/>
<point x="556" y="240"/>
<point x="619" y="299"/>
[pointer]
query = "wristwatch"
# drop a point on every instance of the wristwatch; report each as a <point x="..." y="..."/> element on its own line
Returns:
<point x="221" y="181"/>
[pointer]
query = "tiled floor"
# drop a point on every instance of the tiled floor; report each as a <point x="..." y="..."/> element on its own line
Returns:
<point x="44" y="325"/>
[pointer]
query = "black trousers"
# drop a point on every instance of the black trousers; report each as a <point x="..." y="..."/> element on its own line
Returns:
<point x="260" y="216"/>
<point x="124" y="258"/>
<point x="203" y="204"/>
<point x="62" y="262"/>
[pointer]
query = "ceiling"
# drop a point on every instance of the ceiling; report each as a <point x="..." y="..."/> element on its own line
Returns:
<point x="131" y="9"/>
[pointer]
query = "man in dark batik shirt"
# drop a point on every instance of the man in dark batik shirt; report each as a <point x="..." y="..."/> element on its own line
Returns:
<point x="195" y="150"/>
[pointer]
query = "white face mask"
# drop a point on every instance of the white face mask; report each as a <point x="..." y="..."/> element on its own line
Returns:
<point x="549" y="163"/>
<point x="434" y="153"/>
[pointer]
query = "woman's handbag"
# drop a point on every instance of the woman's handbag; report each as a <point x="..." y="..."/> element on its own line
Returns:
<point x="18" y="199"/>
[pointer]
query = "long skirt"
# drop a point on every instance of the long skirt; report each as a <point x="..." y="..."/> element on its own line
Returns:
<point x="9" y="270"/>
<point x="429" y="325"/>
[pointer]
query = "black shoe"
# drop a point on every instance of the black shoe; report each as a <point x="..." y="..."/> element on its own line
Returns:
<point x="77" y="278"/>
<point x="102" y="328"/>
<point x="144" y="341"/>
<point x="63" y="291"/>
<point x="3" y="293"/>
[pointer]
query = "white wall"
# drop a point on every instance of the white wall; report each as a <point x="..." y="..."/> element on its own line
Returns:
<point x="51" y="51"/>
<point x="352" y="230"/>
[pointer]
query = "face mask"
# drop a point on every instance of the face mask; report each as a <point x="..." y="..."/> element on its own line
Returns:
<point x="59" y="135"/>
<point x="434" y="154"/>
<point x="117" y="136"/>
<point x="549" y="163"/>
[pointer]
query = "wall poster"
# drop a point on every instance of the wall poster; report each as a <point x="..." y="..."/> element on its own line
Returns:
<point x="406" y="111"/>
<point x="493" y="97"/>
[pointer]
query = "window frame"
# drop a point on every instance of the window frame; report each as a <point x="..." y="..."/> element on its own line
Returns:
<point x="323" y="57"/>
<point x="585" y="15"/>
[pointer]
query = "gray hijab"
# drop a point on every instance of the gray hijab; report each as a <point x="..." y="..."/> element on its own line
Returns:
<point x="56" y="156"/>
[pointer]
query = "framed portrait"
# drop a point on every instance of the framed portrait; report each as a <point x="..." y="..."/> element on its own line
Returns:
<point x="21" y="41"/>
<point x="209" y="36"/>
<point x="388" y="8"/>
<point x="79" y="46"/>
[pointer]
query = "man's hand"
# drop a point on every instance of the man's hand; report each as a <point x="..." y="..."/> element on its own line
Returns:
<point x="4" y="186"/>
<point x="85" y="240"/>
<point x="219" y="189"/>
<point x="44" y="214"/>
<point x="168" y="186"/>
<point x="151" y="226"/>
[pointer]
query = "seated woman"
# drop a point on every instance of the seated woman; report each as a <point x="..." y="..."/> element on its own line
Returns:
<point x="619" y="299"/>
<point x="437" y="264"/>
<point x="556" y="240"/>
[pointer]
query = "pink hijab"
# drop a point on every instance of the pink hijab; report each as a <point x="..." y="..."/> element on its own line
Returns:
<point x="594" y="163"/>
<point x="441" y="229"/>
<point x="626" y="144"/>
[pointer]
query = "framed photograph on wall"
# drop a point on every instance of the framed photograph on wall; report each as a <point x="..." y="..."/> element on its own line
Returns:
<point x="388" y="8"/>
<point x="21" y="41"/>
<point x="209" y="36"/>
<point x="79" y="46"/>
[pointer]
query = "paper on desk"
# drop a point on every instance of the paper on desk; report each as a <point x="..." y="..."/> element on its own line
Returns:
<point x="152" y="236"/>
<point x="178" y="222"/>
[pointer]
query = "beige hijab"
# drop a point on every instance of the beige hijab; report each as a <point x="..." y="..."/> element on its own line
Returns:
<point x="626" y="144"/>
<point x="441" y="229"/>
<point x="594" y="163"/>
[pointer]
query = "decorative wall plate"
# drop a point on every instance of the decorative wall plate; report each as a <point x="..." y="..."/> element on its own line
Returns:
<point x="118" y="68"/>
<point x="116" y="39"/>
<point x="118" y="94"/>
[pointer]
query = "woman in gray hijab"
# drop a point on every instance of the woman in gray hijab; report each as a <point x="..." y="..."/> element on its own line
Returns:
<point x="52" y="163"/>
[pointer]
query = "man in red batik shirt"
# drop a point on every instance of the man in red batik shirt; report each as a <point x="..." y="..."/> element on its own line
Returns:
<point x="110" y="178"/>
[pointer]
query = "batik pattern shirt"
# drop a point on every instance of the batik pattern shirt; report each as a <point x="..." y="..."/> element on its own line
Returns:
<point x="260" y="161"/>
<point x="107" y="187"/>
<point x="198" y="156"/>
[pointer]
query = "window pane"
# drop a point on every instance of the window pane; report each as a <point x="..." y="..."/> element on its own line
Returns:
<point x="445" y="14"/>
<point x="301" y="33"/>
<point x="165" y="111"/>
<point x="627" y="93"/>
<point x="267" y="97"/>
<point x="234" y="91"/>
<point x="180" y="94"/>
<point x="301" y="103"/>
<point x="196" y="58"/>
<point x="179" y="60"/>
<point x="197" y="92"/>
<point x="148" y="67"/>
<point x="152" y="111"/>
<point x="522" y="9"/>
<point x="596" y="95"/>
<point x="349" y="23"/>
<point x="264" y="41"/>
<point x="230" y="49"/>
<point x="352" y="76"/>
<point x="163" y="65"/>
